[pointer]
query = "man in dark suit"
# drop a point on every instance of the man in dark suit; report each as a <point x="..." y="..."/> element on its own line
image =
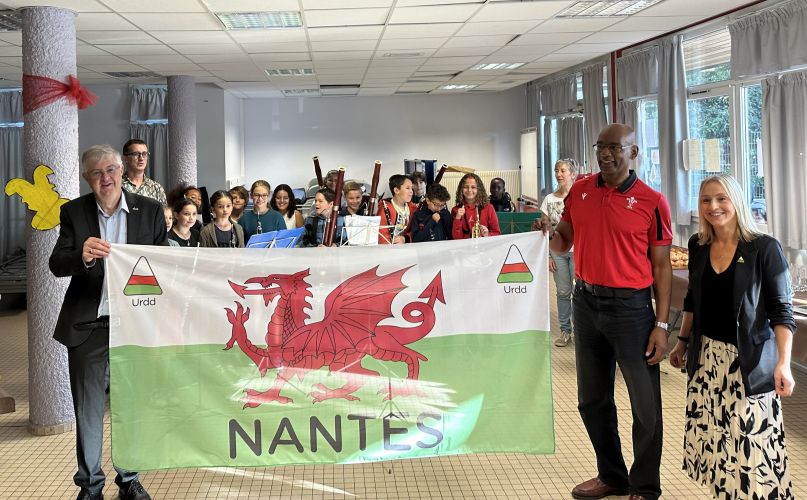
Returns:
<point x="89" y="224"/>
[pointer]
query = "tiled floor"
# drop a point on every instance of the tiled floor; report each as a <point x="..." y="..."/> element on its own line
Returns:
<point x="42" y="467"/>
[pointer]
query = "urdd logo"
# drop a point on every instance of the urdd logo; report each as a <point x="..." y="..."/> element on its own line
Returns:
<point x="142" y="281"/>
<point x="514" y="270"/>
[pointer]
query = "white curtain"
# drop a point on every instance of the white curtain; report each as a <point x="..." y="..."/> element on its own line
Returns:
<point x="627" y="112"/>
<point x="571" y="138"/>
<point x="672" y="111"/>
<point x="593" y="107"/>
<point x="769" y="41"/>
<point x="10" y="106"/>
<point x="559" y="96"/>
<point x="156" y="136"/>
<point x="147" y="103"/>
<point x="784" y="153"/>
<point x="637" y="73"/>
<point x="533" y="111"/>
<point x="13" y="218"/>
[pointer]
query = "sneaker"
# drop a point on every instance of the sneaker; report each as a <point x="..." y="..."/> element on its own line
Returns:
<point x="564" y="339"/>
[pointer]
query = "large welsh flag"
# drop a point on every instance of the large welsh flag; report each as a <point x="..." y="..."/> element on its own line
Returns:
<point x="256" y="357"/>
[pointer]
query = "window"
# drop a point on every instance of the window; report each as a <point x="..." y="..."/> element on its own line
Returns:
<point x="707" y="58"/>
<point x="708" y="149"/>
<point x="752" y="151"/>
<point x="649" y="163"/>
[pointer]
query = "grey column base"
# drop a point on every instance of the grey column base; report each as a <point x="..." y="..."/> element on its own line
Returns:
<point x="51" y="430"/>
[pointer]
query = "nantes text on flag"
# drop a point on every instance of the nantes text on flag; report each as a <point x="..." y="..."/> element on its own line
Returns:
<point x="256" y="357"/>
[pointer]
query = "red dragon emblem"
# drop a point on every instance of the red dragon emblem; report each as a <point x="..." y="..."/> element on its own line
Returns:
<point x="348" y="332"/>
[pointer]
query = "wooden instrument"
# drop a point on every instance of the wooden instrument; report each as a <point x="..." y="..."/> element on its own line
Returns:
<point x="330" y="225"/>
<point x="372" y="201"/>
<point x="318" y="172"/>
<point x="439" y="176"/>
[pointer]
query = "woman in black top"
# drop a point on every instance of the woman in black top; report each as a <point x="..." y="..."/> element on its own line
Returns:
<point x="735" y="338"/>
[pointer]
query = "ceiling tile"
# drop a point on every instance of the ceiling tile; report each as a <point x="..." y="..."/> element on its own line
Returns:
<point x="82" y="49"/>
<point x="523" y="53"/>
<point x="105" y="59"/>
<point x="160" y="67"/>
<point x="344" y="45"/>
<point x="14" y="37"/>
<point x="386" y="91"/>
<point x="116" y="37"/>
<point x="345" y="4"/>
<point x="496" y="28"/>
<point x="101" y="21"/>
<point x="567" y="58"/>
<point x="343" y="56"/>
<point x="175" y="22"/>
<point x="573" y="25"/>
<point x="589" y="48"/>
<point x="433" y="14"/>
<point x="347" y="17"/>
<point x="216" y="58"/>
<point x="214" y="48"/>
<point x="74" y="5"/>
<point x="152" y="59"/>
<point x="250" y="5"/>
<point x="113" y="67"/>
<point x="415" y="3"/>
<point x="268" y="35"/>
<point x="421" y="30"/>
<point x="280" y="56"/>
<point x="654" y="23"/>
<point x="10" y="50"/>
<point x="478" y="41"/>
<point x="345" y="33"/>
<point x="12" y="61"/>
<point x="254" y="48"/>
<point x="410" y="43"/>
<point x="287" y="65"/>
<point x="155" y="6"/>
<point x="518" y="11"/>
<point x="464" y="51"/>
<point x="625" y="37"/>
<point x="692" y="7"/>
<point x="123" y="50"/>
<point x="549" y="38"/>
<point x="354" y="64"/>
<point x="206" y="37"/>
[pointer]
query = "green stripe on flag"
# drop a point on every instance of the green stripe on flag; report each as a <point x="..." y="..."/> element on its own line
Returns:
<point x="515" y="278"/>
<point x="142" y="290"/>
<point x="179" y="406"/>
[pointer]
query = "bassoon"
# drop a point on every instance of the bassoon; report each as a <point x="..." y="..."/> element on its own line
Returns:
<point x="318" y="171"/>
<point x="330" y="226"/>
<point x="373" y="199"/>
<point x="439" y="175"/>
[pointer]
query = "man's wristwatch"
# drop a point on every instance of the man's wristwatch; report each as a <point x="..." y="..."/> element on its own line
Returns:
<point x="663" y="325"/>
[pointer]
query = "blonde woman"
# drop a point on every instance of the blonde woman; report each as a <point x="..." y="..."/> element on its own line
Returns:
<point x="735" y="339"/>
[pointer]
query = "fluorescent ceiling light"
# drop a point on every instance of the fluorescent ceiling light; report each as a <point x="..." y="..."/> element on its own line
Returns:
<point x="10" y="20"/>
<point x="457" y="86"/>
<point x="493" y="66"/>
<point x="290" y="72"/>
<point x="260" y="20"/>
<point x="620" y="8"/>
<point x="300" y="92"/>
<point x="402" y="54"/>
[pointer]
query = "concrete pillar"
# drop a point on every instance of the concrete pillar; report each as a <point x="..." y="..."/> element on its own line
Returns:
<point x="181" y="111"/>
<point x="50" y="137"/>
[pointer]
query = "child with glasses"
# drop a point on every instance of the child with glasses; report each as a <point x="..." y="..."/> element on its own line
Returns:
<point x="261" y="219"/>
<point x="432" y="221"/>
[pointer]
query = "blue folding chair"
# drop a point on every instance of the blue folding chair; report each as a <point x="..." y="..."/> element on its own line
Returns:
<point x="285" y="238"/>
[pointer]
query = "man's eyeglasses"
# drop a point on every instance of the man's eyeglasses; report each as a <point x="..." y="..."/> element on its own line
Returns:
<point x="109" y="171"/>
<point x="613" y="148"/>
<point x="137" y="154"/>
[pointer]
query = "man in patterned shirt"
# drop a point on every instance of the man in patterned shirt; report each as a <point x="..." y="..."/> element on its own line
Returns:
<point x="135" y="158"/>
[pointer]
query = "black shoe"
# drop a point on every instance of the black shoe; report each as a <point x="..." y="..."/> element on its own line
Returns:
<point x="133" y="490"/>
<point x="85" y="494"/>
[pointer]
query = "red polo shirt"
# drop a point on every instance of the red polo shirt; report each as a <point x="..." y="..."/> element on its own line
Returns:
<point x="614" y="230"/>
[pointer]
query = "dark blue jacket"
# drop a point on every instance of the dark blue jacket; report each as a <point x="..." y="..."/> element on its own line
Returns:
<point x="425" y="229"/>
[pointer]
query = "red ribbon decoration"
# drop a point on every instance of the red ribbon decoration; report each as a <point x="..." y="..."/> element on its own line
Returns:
<point x="39" y="91"/>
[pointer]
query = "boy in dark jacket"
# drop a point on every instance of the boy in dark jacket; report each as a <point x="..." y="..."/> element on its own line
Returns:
<point x="432" y="221"/>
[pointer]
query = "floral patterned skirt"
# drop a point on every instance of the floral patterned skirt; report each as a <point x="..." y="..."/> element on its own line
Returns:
<point x="733" y="443"/>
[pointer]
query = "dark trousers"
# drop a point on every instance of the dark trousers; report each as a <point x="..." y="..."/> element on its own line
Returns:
<point x="610" y="330"/>
<point x="89" y="380"/>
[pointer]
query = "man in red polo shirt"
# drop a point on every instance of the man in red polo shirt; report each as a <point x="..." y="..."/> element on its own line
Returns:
<point x="621" y="233"/>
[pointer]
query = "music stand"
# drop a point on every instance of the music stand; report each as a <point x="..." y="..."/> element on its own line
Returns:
<point x="285" y="238"/>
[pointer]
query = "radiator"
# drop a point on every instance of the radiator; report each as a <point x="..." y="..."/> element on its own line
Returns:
<point x="512" y="182"/>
